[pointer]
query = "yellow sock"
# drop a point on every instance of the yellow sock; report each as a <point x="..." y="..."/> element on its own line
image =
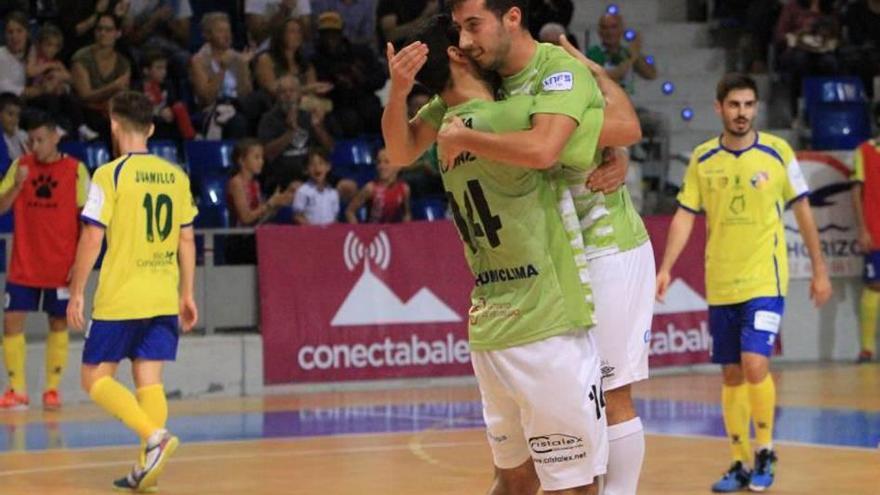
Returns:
<point x="869" y="309"/>
<point x="56" y="358"/>
<point x="152" y="400"/>
<point x="763" y="400"/>
<point x="735" y="408"/>
<point x="120" y="402"/>
<point x="15" y="354"/>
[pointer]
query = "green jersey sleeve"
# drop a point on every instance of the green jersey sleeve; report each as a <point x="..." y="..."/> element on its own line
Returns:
<point x="566" y="88"/>
<point x="432" y="113"/>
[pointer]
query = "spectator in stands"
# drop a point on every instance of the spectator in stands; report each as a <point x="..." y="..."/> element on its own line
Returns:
<point x="263" y="16"/>
<point x="356" y="75"/>
<point x="10" y="114"/>
<point x="745" y="29"/>
<point x="287" y="133"/>
<point x="423" y="175"/>
<point x="387" y="196"/>
<point x="315" y="202"/>
<point x="807" y="36"/>
<point x="622" y="62"/>
<point x="542" y="12"/>
<point x="285" y="56"/>
<point x="170" y="116"/>
<point x="163" y="25"/>
<point x="50" y="80"/>
<point x="862" y="51"/>
<point x="245" y="202"/>
<point x="81" y="17"/>
<point x="551" y="31"/>
<point x="99" y="72"/>
<point x="221" y="80"/>
<point x="399" y="19"/>
<point x="358" y="18"/>
<point x="12" y="56"/>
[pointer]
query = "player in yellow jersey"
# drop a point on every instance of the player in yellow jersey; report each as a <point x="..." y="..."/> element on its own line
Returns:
<point x="742" y="181"/>
<point x="143" y="205"/>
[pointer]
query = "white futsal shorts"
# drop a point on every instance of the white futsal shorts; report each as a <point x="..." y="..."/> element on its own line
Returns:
<point x="623" y="291"/>
<point x="544" y="401"/>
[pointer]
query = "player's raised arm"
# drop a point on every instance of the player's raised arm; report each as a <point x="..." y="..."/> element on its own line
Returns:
<point x="621" y="125"/>
<point x="405" y="139"/>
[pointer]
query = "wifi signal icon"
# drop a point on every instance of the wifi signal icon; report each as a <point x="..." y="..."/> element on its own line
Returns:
<point x="379" y="251"/>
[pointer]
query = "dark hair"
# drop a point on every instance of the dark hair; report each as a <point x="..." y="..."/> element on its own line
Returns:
<point x="40" y="119"/>
<point x="116" y="21"/>
<point x="276" y="47"/>
<point x="19" y="18"/>
<point x="242" y="146"/>
<point x="438" y="33"/>
<point x="417" y="90"/>
<point x="500" y="7"/>
<point x="151" y="56"/>
<point x="48" y="31"/>
<point x="320" y="151"/>
<point x="733" y="81"/>
<point x="134" y="109"/>
<point x="10" y="99"/>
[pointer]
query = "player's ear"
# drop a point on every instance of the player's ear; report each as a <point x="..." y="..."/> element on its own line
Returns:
<point x="512" y="18"/>
<point x="456" y="54"/>
<point x="717" y="106"/>
<point x="151" y="130"/>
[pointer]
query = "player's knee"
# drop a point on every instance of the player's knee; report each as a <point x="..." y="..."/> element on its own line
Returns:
<point x="521" y="480"/>
<point x="619" y="405"/>
<point x="732" y="375"/>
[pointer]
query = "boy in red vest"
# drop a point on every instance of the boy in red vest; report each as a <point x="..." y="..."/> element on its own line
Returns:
<point x="866" y="199"/>
<point x="45" y="190"/>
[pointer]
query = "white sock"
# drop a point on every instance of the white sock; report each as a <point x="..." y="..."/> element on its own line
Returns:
<point x="626" y="450"/>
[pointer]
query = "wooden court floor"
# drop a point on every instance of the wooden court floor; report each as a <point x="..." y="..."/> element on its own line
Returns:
<point x="435" y="455"/>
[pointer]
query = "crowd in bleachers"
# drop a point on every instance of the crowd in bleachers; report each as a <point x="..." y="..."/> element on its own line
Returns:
<point x="796" y="39"/>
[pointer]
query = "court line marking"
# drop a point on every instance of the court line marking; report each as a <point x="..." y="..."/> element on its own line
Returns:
<point x="332" y="451"/>
<point x="261" y="455"/>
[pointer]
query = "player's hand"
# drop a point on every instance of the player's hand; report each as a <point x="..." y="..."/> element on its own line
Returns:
<point x="21" y="175"/>
<point x="75" y="319"/>
<point x="820" y="287"/>
<point x="663" y="279"/>
<point x="404" y="65"/>
<point x="865" y="241"/>
<point x="611" y="174"/>
<point x="448" y="141"/>
<point x="189" y="314"/>
<point x="596" y="69"/>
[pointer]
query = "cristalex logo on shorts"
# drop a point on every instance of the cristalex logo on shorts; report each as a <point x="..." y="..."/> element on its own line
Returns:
<point x="554" y="442"/>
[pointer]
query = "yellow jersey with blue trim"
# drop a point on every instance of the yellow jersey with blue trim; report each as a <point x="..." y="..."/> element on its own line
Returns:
<point x="743" y="194"/>
<point x="142" y="201"/>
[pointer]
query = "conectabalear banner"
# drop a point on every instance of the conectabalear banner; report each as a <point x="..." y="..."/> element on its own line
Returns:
<point x="372" y="302"/>
<point x="680" y="330"/>
<point x="363" y="302"/>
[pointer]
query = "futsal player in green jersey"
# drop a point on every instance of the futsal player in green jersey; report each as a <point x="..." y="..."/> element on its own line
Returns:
<point x="143" y="206"/>
<point x="535" y="360"/>
<point x="620" y="256"/>
<point x="742" y="181"/>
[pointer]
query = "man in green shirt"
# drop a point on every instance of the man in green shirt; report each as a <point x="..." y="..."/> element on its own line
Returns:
<point x="535" y="361"/>
<point x="621" y="267"/>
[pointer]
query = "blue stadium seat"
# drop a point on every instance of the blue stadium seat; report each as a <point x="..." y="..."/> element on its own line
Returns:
<point x="205" y="158"/>
<point x="213" y="211"/>
<point x="167" y="149"/>
<point x="837" y="111"/>
<point x="430" y="209"/>
<point x="355" y="159"/>
<point x="93" y="155"/>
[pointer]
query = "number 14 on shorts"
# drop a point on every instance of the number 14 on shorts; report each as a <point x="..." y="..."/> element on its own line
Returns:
<point x="597" y="397"/>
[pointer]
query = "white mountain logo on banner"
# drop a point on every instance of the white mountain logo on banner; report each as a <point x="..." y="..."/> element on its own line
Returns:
<point x="371" y="302"/>
<point x="680" y="298"/>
